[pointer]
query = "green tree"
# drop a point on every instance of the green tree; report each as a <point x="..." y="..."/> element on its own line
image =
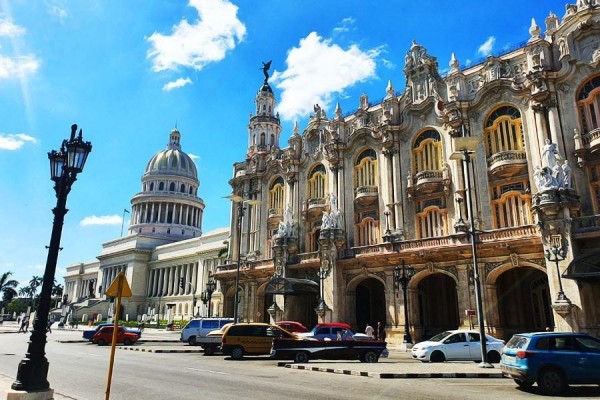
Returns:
<point x="57" y="291"/>
<point x="8" y="287"/>
<point x="34" y="284"/>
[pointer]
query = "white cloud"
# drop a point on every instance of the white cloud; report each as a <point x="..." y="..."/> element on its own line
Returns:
<point x="58" y="12"/>
<point x="181" y="82"/>
<point x="344" y="26"/>
<point x="316" y="70"/>
<point x="486" y="48"/>
<point x="204" y="41"/>
<point x="193" y="156"/>
<point x="14" y="141"/>
<point x="102" y="220"/>
<point x="7" y="28"/>
<point x="18" y="66"/>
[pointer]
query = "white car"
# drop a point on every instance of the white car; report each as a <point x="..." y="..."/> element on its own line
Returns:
<point x="457" y="345"/>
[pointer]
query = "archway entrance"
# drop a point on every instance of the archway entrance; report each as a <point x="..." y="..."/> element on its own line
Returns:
<point x="523" y="301"/>
<point x="438" y="305"/>
<point x="370" y="303"/>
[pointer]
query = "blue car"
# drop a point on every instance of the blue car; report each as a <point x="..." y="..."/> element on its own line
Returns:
<point x="89" y="334"/>
<point x="552" y="359"/>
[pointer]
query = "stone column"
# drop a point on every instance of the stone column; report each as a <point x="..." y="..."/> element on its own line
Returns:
<point x="397" y="190"/>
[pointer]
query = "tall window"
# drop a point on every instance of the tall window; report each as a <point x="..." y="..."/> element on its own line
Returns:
<point x="511" y="205"/>
<point x="365" y="169"/>
<point x="317" y="180"/>
<point x="503" y="131"/>
<point x="276" y="196"/>
<point x="366" y="232"/>
<point x="427" y="152"/>
<point x="588" y="104"/>
<point x="431" y="219"/>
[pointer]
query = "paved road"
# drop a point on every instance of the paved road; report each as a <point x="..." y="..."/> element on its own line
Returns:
<point x="78" y="371"/>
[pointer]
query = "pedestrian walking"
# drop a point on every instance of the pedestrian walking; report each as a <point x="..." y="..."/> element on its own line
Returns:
<point x="381" y="334"/>
<point x="49" y="327"/>
<point x="369" y="331"/>
<point x="24" y="325"/>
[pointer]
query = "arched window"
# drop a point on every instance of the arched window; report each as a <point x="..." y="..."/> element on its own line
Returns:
<point x="366" y="232"/>
<point x="427" y="152"/>
<point x="161" y="186"/>
<point x="151" y="186"/>
<point x="365" y="169"/>
<point x="431" y="220"/>
<point x="277" y="196"/>
<point x="588" y="104"/>
<point x="172" y="187"/>
<point x="511" y="205"/>
<point x="503" y="131"/>
<point x="317" y="180"/>
<point x="262" y="138"/>
<point x="191" y="190"/>
<point x="272" y="140"/>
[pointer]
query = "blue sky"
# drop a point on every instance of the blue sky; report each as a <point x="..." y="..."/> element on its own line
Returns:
<point x="128" y="71"/>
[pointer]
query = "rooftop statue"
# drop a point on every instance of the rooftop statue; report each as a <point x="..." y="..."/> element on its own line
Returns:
<point x="265" y="69"/>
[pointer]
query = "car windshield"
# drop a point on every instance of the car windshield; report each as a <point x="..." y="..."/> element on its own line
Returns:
<point x="440" y="336"/>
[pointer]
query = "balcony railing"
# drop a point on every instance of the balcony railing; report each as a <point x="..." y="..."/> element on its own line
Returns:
<point x="589" y="223"/>
<point x="507" y="157"/>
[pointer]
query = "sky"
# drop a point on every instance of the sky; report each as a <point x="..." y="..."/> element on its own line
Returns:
<point x="128" y="72"/>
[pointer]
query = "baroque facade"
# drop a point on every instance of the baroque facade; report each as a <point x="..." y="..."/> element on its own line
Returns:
<point x="166" y="257"/>
<point x="324" y="220"/>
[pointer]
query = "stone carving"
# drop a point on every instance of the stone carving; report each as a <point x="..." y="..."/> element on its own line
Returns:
<point x="333" y="219"/>
<point x="287" y="226"/>
<point x="549" y="153"/>
<point x="554" y="174"/>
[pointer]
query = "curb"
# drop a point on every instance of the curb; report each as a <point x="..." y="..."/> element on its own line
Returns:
<point x="393" y="376"/>
<point x="139" y="341"/>
<point x="159" y="350"/>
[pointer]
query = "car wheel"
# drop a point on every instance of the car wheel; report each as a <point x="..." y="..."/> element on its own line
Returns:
<point x="192" y="340"/>
<point x="437" y="356"/>
<point x="101" y="342"/>
<point x="551" y="381"/>
<point x="127" y="342"/>
<point x="523" y="384"/>
<point x="301" y="357"/>
<point x="209" y="350"/>
<point x="237" y="353"/>
<point x="370" y="357"/>
<point x="493" y="357"/>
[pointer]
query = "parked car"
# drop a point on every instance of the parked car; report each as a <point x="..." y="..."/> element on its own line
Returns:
<point x="250" y="339"/>
<point x="331" y="331"/>
<point x="292" y="326"/>
<point x="211" y="342"/>
<point x="89" y="333"/>
<point x="457" y="345"/>
<point x="105" y="333"/>
<point x="303" y="350"/>
<point x="198" y="328"/>
<point x="552" y="359"/>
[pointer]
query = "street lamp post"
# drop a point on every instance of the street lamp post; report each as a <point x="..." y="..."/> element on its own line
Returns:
<point x="211" y="285"/>
<point x="402" y="276"/>
<point x="204" y="298"/>
<point x="241" y="208"/>
<point x="555" y="254"/>
<point x="467" y="147"/>
<point x="65" y="164"/>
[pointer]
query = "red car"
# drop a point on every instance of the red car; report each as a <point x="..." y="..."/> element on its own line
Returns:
<point x="292" y="326"/>
<point x="104" y="336"/>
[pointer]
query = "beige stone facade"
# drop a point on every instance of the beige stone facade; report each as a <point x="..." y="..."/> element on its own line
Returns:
<point x="354" y="195"/>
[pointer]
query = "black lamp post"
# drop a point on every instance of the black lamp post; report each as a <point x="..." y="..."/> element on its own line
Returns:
<point x="65" y="164"/>
<point x="322" y="273"/>
<point x="211" y="285"/>
<point x="204" y="298"/>
<point x="402" y="276"/>
<point x="555" y="254"/>
<point x="241" y="208"/>
<point x="467" y="147"/>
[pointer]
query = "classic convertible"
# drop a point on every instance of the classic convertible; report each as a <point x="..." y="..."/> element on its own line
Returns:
<point x="349" y="349"/>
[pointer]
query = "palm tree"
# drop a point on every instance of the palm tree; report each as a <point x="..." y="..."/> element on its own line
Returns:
<point x="57" y="291"/>
<point x="26" y="291"/>
<point x="7" y="287"/>
<point x="34" y="284"/>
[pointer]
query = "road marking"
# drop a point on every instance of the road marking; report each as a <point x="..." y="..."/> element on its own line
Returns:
<point x="208" y="370"/>
<point x="89" y="354"/>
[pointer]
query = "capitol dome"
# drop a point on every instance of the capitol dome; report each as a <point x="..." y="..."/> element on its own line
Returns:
<point x="172" y="160"/>
<point x="168" y="205"/>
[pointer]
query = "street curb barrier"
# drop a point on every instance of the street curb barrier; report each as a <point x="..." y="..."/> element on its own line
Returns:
<point x="159" y="350"/>
<point x="393" y="376"/>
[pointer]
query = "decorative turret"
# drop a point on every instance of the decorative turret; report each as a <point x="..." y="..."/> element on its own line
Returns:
<point x="264" y="128"/>
<point x="422" y="74"/>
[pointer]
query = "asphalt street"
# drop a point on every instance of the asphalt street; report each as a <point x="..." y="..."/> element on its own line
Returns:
<point x="79" y="371"/>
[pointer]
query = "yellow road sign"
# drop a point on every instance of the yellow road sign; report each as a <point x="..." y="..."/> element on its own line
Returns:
<point x="113" y="289"/>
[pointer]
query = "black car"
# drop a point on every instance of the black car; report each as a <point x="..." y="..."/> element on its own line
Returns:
<point x="346" y="349"/>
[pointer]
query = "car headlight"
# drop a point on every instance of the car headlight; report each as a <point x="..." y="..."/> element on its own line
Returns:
<point x="425" y="347"/>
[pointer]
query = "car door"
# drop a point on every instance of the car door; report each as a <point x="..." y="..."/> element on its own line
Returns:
<point x="456" y="347"/>
<point x="323" y="332"/>
<point x="589" y="349"/>
<point x="475" y="345"/>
